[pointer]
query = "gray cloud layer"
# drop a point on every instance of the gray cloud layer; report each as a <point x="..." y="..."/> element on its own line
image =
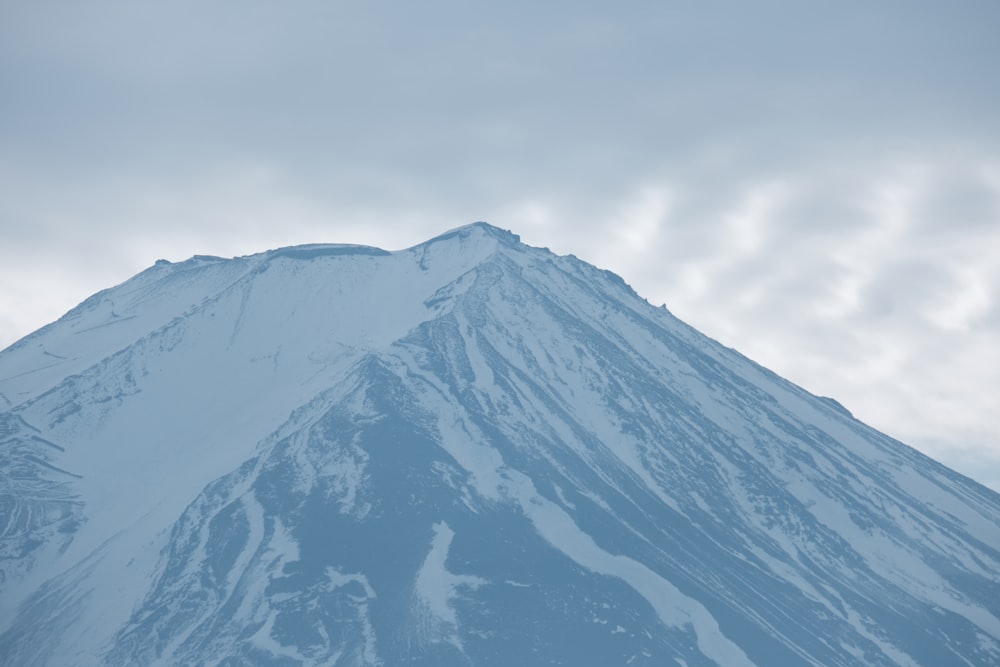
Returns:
<point x="817" y="185"/>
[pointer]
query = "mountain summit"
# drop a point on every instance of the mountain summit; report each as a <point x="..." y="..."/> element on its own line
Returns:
<point x="469" y="452"/>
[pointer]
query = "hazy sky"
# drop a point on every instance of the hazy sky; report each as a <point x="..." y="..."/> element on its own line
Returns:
<point x="814" y="184"/>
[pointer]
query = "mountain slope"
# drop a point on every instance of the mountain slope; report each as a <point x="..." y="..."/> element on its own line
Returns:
<point x="468" y="452"/>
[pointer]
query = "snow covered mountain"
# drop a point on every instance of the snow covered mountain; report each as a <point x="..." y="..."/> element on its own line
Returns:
<point x="469" y="452"/>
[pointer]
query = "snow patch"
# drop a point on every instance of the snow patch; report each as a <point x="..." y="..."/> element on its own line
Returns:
<point x="437" y="588"/>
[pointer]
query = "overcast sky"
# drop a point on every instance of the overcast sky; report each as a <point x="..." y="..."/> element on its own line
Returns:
<point x="816" y="184"/>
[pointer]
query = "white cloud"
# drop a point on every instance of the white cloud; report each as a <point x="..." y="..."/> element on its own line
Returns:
<point x="891" y="320"/>
<point x="819" y="189"/>
<point x="897" y="323"/>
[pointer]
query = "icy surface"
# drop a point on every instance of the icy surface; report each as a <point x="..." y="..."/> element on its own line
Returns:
<point x="467" y="452"/>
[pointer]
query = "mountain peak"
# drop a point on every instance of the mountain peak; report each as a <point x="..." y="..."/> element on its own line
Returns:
<point x="478" y="230"/>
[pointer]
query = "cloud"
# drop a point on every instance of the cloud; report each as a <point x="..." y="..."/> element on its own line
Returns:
<point x="890" y="315"/>
<point x="817" y="187"/>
